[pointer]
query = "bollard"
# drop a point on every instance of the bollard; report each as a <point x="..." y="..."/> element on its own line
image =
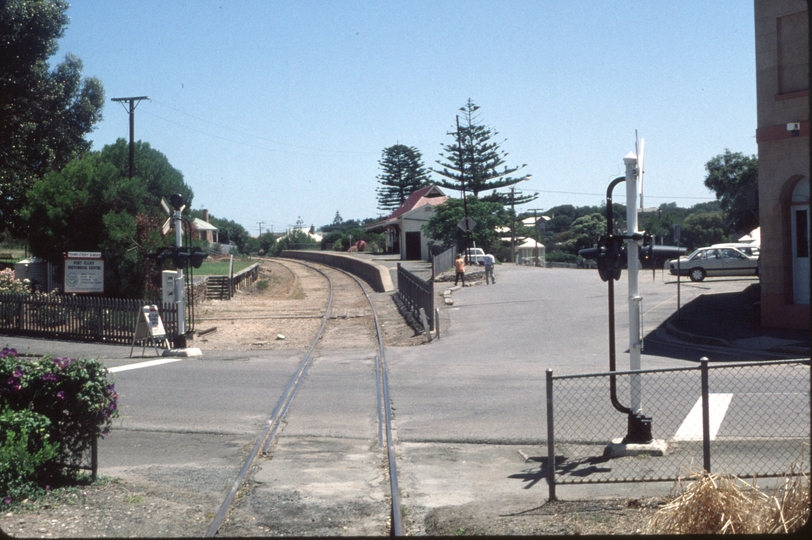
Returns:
<point x="437" y="322"/>
<point x="425" y="322"/>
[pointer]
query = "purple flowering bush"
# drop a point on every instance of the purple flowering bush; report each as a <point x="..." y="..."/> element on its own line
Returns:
<point x="72" y="396"/>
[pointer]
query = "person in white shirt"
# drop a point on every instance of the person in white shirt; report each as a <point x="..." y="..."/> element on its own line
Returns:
<point x="489" y="260"/>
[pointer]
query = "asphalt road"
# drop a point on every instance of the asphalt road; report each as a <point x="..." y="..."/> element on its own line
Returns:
<point x="484" y="379"/>
<point x="482" y="383"/>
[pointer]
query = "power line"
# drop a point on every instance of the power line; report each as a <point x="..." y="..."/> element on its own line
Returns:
<point x="603" y="195"/>
<point x="347" y="152"/>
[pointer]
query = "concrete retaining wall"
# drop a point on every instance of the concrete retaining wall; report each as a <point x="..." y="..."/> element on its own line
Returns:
<point x="376" y="275"/>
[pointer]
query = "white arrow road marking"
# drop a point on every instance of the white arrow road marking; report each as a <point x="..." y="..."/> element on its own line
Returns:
<point x="691" y="428"/>
<point x="143" y="364"/>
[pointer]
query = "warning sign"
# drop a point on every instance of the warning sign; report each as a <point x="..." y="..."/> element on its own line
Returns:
<point x="149" y="328"/>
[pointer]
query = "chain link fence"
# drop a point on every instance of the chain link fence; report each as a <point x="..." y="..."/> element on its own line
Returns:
<point x="746" y="419"/>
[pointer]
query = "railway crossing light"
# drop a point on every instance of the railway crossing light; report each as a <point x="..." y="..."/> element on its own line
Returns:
<point x="180" y="257"/>
<point x="610" y="255"/>
<point x="196" y="257"/>
<point x="177" y="202"/>
<point x="160" y="255"/>
<point x="661" y="253"/>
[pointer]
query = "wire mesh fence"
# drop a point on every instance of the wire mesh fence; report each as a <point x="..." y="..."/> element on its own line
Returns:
<point x="747" y="419"/>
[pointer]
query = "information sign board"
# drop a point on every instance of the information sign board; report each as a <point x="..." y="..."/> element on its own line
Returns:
<point x="83" y="274"/>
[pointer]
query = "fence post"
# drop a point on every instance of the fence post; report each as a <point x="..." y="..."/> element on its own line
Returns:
<point x="550" y="438"/>
<point x="100" y="326"/>
<point x="437" y="322"/>
<point x="706" y="457"/>
<point x="94" y="458"/>
<point x="430" y="302"/>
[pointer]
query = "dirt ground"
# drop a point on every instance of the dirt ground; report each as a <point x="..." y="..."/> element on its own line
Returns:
<point x="281" y="311"/>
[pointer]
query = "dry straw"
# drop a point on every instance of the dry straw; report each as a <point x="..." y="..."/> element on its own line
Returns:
<point x="726" y="504"/>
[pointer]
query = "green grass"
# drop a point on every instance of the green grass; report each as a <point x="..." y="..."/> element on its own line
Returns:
<point x="220" y="268"/>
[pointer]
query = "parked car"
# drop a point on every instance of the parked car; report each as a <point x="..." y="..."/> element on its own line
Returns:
<point x="747" y="249"/>
<point x="715" y="261"/>
<point x="474" y="255"/>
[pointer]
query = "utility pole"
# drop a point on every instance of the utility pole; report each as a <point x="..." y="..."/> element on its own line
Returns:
<point x="512" y="227"/>
<point x="536" y="227"/>
<point x="260" y="228"/>
<point x="464" y="200"/>
<point x="133" y="104"/>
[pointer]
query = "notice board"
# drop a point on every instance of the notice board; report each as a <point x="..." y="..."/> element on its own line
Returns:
<point x="84" y="273"/>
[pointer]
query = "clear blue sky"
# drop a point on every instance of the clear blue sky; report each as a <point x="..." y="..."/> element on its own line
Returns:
<point x="274" y="110"/>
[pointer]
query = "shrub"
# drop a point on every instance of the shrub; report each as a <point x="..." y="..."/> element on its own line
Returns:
<point x="24" y="450"/>
<point x="561" y="257"/>
<point x="73" y="394"/>
<point x="8" y="283"/>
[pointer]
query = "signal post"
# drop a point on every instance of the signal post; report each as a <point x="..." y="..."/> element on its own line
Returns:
<point x="611" y="256"/>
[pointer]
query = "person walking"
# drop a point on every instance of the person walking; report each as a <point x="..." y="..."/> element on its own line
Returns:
<point x="459" y="266"/>
<point x="489" y="260"/>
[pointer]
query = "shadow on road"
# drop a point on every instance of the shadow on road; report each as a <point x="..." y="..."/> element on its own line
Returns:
<point x="731" y="320"/>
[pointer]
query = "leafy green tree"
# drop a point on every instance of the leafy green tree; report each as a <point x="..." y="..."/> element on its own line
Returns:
<point x="44" y="114"/>
<point x="705" y="229"/>
<point x="340" y="224"/>
<point x="152" y="169"/>
<point x="267" y="241"/>
<point x="295" y="238"/>
<point x="474" y="164"/>
<point x="586" y="231"/>
<point x="93" y="205"/>
<point x="402" y="174"/>
<point x="734" y="178"/>
<point x="229" y="232"/>
<point x="443" y="224"/>
<point x="561" y="217"/>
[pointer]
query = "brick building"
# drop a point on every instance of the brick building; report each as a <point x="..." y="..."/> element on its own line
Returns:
<point x="782" y="84"/>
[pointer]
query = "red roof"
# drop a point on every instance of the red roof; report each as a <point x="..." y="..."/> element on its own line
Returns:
<point x="423" y="196"/>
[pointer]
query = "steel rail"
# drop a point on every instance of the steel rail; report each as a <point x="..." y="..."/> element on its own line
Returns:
<point x="383" y="385"/>
<point x="274" y="421"/>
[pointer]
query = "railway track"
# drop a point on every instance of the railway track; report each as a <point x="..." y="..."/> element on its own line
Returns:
<point x="348" y="309"/>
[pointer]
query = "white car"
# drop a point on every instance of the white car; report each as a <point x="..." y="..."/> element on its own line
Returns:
<point x="474" y="256"/>
<point x="715" y="261"/>
<point x="747" y="249"/>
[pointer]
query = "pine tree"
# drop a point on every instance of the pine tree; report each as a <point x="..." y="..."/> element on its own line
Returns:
<point x="403" y="174"/>
<point x="472" y="162"/>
